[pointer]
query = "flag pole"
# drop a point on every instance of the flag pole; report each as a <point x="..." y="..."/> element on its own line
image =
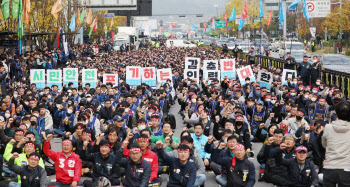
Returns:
<point x="260" y="38"/>
<point x="295" y="17"/>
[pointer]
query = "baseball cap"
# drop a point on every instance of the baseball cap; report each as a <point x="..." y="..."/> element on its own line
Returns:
<point x="117" y="118"/>
<point x="301" y="148"/>
<point x="260" y="102"/>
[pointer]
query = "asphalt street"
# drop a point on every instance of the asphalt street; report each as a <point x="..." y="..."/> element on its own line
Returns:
<point x="56" y="146"/>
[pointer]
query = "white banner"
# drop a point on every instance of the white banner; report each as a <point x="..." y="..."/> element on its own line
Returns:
<point x="89" y="76"/>
<point x="164" y="74"/>
<point x="210" y="65"/>
<point x="54" y="77"/>
<point x="111" y="78"/>
<point x="211" y="74"/>
<point x="245" y="72"/>
<point x="149" y="76"/>
<point x="288" y="74"/>
<point x="191" y="74"/>
<point x="192" y="63"/>
<point x="37" y="76"/>
<point x="133" y="75"/>
<point x="227" y="67"/>
<point x="265" y="79"/>
<point x="70" y="75"/>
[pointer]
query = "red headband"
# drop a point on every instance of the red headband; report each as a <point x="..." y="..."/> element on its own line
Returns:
<point x="29" y="144"/>
<point x="108" y="145"/>
<point x="20" y="132"/>
<point x="34" y="157"/>
<point x="321" y="99"/>
<point x="239" y="146"/>
<point x="300" y="112"/>
<point x="143" y="139"/>
<point x="30" y="135"/>
<point x="23" y="127"/>
<point x="283" y="125"/>
<point x="188" y="150"/>
<point x="91" y="110"/>
<point x="67" y="141"/>
<point x="135" y="150"/>
<point x="89" y="134"/>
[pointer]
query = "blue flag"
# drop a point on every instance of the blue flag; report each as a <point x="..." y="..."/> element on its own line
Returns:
<point x="281" y="18"/>
<point x="194" y="26"/>
<point x="294" y="4"/>
<point x="233" y="14"/>
<point x="261" y="12"/>
<point x="241" y="23"/>
<point x="213" y="25"/>
<point x="72" y="23"/>
<point x="140" y="27"/>
<point x="305" y="11"/>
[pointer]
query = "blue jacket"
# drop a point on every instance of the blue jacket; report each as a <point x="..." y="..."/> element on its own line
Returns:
<point x="199" y="144"/>
<point x="303" y="70"/>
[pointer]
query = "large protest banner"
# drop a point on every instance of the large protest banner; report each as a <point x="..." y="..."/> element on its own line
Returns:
<point x="227" y="67"/>
<point x="265" y="79"/>
<point x="54" y="77"/>
<point x="111" y="78"/>
<point x="70" y="75"/>
<point x="149" y="76"/>
<point x="37" y="76"/>
<point x="288" y="74"/>
<point x="245" y="72"/>
<point x="133" y="75"/>
<point x="89" y="76"/>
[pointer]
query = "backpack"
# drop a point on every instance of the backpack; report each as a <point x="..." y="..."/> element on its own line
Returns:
<point x="172" y="120"/>
<point x="103" y="182"/>
<point x="270" y="170"/>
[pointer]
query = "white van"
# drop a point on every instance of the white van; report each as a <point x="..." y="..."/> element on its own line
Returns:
<point x="180" y="43"/>
<point x="286" y="46"/>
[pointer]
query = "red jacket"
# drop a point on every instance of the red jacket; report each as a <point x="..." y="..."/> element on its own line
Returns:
<point x="151" y="158"/>
<point x="67" y="169"/>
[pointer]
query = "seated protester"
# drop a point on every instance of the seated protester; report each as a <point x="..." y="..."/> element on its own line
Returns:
<point x="68" y="167"/>
<point x="215" y="150"/>
<point x="141" y="124"/>
<point x="18" y="145"/>
<point x="270" y="132"/>
<point x="22" y="159"/>
<point x="167" y="132"/>
<point x="270" y="151"/>
<point x="80" y="144"/>
<point x="140" y="115"/>
<point x="77" y="135"/>
<point x="318" y="110"/>
<point x="194" y="116"/>
<point x="259" y="115"/>
<point x="242" y="133"/>
<point x="25" y="126"/>
<point x="106" y="111"/>
<point x="104" y="164"/>
<point x="40" y="123"/>
<point x="182" y="171"/>
<point x="241" y="172"/>
<point x="112" y="138"/>
<point x="152" y="146"/>
<point x="137" y="170"/>
<point x="298" y="121"/>
<point x="125" y="113"/>
<point x="118" y="124"/>
<point x="94" y="123"/>
<point x="155" y="126"/>
<point x="30" y="137"/>
<point x="46" y="118"/>
<point x="31" y="174"/>
<point x="275" y="141"/>
<point x="194" y="157"/>
<point x="147" y="154"/>
<point x="2" y="182"/>
<point x="301" y="172"/>
<point x="66" y="117"/>
<point x="232" y="141"/>
<point x="199" y="140"/>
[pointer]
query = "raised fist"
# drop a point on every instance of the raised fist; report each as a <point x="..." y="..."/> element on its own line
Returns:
<point x="15" y="155"/>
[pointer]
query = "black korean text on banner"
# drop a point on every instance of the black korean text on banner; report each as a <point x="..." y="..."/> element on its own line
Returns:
<point x="191" y="74"/>
<point x="288" y="74"/>
<point x="265" y="79"/>
<point x="210" y="65"/>
<point x="192" y="63"/>
<point x="212" y="75"/>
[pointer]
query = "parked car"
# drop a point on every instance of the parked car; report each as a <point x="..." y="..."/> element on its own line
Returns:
<point x="286" y="47"/>
<point x="180" y="43"/>
<point x="275" y="47"/>
<point x="336" y="62"/>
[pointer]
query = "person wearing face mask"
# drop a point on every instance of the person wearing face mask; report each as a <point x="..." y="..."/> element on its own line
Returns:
<point x="243" y="133"/>
<point x="67" y="119"/>
<point x="297" y="122"/>
<point x="319" y="110"/>
<point x="315" y="70"/>
<point x="292" y="96"/>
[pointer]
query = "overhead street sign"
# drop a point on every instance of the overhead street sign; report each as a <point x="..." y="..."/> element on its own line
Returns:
<point x="318" y="8"/>
<point x="221" y="23"/>
<point x="109" y="15"/>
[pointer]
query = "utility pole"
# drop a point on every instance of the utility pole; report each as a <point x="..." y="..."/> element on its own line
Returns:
<point x="340" y="29"/>
<point x="285" y="19"/>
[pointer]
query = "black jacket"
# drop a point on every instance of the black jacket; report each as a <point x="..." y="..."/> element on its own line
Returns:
<point x="297" y="177"/>
<point x="106" y="113"/>
<point x="36" y="177"/>
<point x="103" y="167"/>
<point x="180" y="175"/>
<point x="136" y="174"/>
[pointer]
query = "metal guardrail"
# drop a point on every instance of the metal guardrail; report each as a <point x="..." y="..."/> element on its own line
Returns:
<point x="328" y="76"/>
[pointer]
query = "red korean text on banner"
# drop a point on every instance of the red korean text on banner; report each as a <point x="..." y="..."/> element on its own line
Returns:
<point x="245" y="73"/>
<point x="228" y="65"/>
<point x="135" y="72"/>
<point x="148" y="73"/>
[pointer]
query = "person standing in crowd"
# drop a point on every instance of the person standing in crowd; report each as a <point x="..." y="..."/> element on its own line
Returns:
<point x="336" y="139"/>
<point x="304" y="70"/>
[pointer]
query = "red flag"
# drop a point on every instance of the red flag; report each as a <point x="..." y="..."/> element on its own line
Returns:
<point x="112" y="36"/>
<point x="225" y="18"/>
<point x="171" y="36"/>
<point x="205" y="26"/>
<point x="269" y="20"/>
<point x="173" y="25"/>
<point x="245" y="11"/>
<point x="162" y="29"/>
<point x="58" y="37"/>
<point x="95" y="24"/>
<point x="188" y="31"/>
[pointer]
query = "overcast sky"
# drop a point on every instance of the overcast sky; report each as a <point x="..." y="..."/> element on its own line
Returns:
<point x="205" y="7"/>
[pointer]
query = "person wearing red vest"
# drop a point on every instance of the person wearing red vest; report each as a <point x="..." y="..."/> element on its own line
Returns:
<point x="68" y="164"/>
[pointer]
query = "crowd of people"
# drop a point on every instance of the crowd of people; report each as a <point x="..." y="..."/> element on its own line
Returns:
<point x="125" y="135"/>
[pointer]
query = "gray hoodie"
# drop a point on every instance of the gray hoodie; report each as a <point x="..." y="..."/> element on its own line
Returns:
<point x="336" y="141"/>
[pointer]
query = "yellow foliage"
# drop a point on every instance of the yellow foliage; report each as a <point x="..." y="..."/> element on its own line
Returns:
<point x="337" y="17"/>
